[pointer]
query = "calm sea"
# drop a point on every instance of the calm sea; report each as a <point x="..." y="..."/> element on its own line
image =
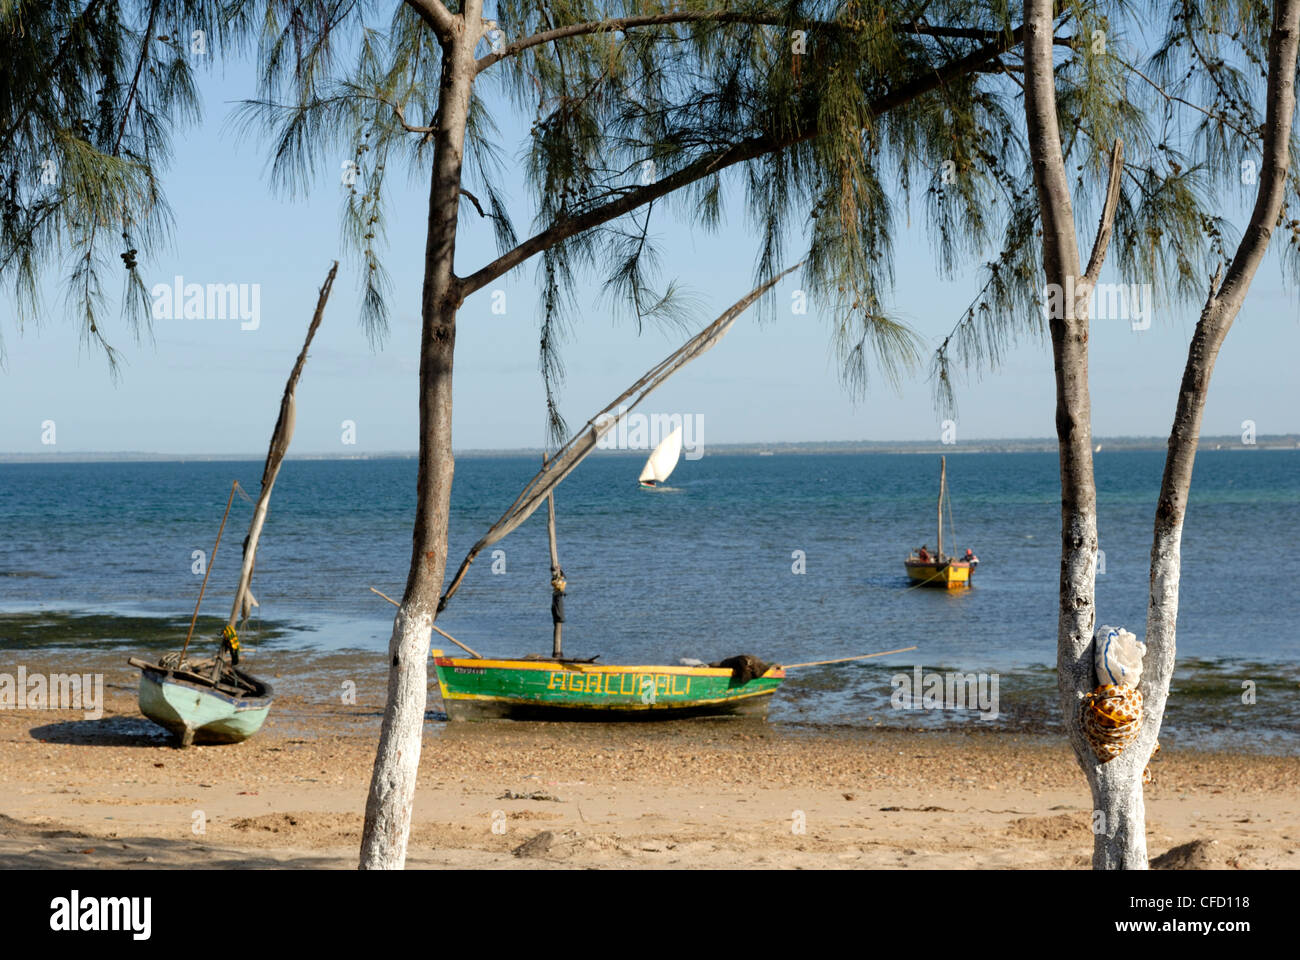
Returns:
<point x="701" y="568"/>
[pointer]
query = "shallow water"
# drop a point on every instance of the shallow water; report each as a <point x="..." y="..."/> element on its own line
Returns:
<point x="102" y="554"/>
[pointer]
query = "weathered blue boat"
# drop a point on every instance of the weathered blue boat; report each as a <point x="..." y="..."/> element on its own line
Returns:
<point x="212" y="701"/>
<point x="199" y="710"/>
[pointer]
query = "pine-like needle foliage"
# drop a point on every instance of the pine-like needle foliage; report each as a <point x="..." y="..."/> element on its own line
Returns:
<point x="821" y="122"/>
<point x="1182" y="83"/>
<point x="90" y="94"/>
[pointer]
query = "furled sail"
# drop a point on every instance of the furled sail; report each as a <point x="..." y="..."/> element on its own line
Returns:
<point x="584" y="441"/>
<point x="280" y="437"/>
<point x="664" y="459"/>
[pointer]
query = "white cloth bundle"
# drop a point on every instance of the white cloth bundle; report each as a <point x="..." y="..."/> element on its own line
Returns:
<point x="1117" y="656"/>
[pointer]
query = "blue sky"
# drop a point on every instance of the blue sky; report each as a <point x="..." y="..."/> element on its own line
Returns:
<point x="206" y="386"/>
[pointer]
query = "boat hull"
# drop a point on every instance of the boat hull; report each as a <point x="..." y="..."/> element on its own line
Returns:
<point x="482" y="689"/>
<point x="200" y="714"/>
<point x="950" y="575"/>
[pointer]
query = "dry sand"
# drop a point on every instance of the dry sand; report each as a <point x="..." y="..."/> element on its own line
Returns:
<point x="110" y="793"/>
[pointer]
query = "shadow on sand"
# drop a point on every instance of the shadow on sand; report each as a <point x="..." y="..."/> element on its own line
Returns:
<point x="105" y="732"/>
<point x="25" y="846"/>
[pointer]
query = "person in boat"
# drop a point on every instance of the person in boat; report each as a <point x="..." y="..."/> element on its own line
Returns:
<point x="970" y="558"/>
<point x="924" y="554"/>
<point x="558" y="586"/>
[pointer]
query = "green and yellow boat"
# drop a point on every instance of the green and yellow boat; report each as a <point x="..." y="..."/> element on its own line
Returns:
<point x="560" y="689"/>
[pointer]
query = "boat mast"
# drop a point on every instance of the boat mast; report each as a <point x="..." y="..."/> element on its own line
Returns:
<point x="280" y="439"/>
<point x="556" y="576"/>
<point x="943" y="481"/>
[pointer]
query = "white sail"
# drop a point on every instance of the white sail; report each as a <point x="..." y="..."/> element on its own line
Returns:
<point x="664" y="459"/>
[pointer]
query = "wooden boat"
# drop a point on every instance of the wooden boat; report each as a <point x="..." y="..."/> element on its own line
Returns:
<point x="663" y="461"/>
<point x="560" y="689"/>
<point x="948" y="573"/>
<point x="477" y="687"/>
<point x="195" y="709"/>
<point x="938" y="570"/>
<point x="210" y="700"/>
<point x="565" y="688"/>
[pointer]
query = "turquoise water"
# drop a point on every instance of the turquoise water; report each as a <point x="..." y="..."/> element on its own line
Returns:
<point x="701" y="568"/>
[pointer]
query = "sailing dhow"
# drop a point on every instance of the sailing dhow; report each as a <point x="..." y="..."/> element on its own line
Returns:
<point x="934" y="569"/>
<point x="210" y="700"/>
<point x="663" y="460"/>
<point x="559" y="687"/>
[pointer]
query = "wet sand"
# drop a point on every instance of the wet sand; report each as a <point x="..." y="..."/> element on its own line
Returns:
<point x="112" y="792"/>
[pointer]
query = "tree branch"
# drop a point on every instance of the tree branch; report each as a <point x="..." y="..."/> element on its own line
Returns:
<point x="1107" y="222"/>
<point x="775" y="18"/>
<point x="720" y="160"/>
<point x="1279" y="113"/>
<point x="135" y="80"/>
<point x="437" y="16"/>
<point x="1173" y="98"/>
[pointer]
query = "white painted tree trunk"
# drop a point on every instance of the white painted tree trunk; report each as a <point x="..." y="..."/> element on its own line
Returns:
<point x="1119" y="816"/>
<point x="392" y="786"/>
<point x="1116" y="788"/>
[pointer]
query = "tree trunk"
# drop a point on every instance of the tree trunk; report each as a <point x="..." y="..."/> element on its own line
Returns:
<point x="1119" y="819"/>
<point x="1117" y="792"/>
<point x="1069" y="329"/>
<point x="392" y="785"/>
<point x="1221" y="309"/>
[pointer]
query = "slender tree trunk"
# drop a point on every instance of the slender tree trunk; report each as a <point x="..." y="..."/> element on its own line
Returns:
<point x="1069" y="329"/>
<point x="1119" y="818"/>
<point x="1221" y="309"/>
<point x="1118" y="821"/>
<point x="392" y="786"/>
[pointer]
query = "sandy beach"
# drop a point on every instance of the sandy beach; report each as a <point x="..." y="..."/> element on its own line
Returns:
<point x="112" y="792"/>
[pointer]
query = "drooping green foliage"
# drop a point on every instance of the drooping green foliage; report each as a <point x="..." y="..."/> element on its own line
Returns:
<point x="824" y="123"/>
<point x="806" y="117"/>
<point x="1182" y="84"/>
<point x="90" y="94"/>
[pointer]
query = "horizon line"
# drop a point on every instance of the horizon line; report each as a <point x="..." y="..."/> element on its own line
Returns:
<point x="1132" y="443"/>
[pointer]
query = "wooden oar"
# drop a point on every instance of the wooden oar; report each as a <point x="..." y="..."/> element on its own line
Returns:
<point x="435" y="627"/>
<point x="865" y="656"/>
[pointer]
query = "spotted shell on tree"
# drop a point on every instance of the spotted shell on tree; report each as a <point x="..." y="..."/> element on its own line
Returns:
<point x="1112" y="717"/>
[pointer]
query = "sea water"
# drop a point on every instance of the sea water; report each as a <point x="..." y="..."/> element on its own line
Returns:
<point x="789" y="557"/>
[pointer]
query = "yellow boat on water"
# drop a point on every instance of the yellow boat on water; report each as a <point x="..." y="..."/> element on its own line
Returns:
<point x="952" y="574"/>
<point x="936" y="570"/>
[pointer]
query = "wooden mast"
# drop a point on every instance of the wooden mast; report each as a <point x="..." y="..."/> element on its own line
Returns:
<point x="280" y="438"/>
<point x="943" y="481"/>
<point x="557" y="578"/>
<point x="555" y="570"/>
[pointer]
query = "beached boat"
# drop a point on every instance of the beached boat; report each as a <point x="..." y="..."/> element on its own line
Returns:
<point x="663" y="461"/>
<point x="197" y="710"/>
<point x="565" y="688"/>
<point x="211" y="700"/>
<point x="477" y="687"/>
<point x="936" y="570"/>
<point x="560" y="689"/>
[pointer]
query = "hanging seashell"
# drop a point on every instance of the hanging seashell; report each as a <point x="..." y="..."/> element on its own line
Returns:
<point x="1112" y="718"/>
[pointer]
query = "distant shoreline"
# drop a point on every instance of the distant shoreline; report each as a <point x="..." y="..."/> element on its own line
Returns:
<point x="1108" y="444"/>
